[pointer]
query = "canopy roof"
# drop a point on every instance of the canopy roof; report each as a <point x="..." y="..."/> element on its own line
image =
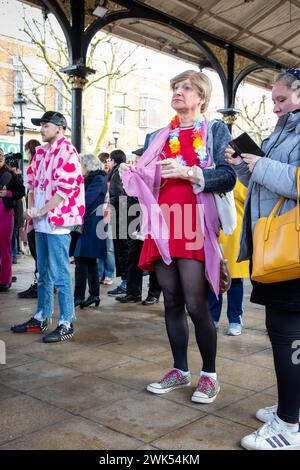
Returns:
<point x="266" y="30"/>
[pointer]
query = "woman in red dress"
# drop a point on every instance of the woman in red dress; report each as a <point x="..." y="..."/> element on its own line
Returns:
<point x="190" y="158"/>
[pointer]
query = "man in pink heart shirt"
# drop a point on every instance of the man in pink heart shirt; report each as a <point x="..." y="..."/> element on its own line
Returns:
<point x="55" y="204"/>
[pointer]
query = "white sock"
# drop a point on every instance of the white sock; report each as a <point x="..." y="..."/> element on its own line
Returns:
<point x="212" y="375"/>
<point x="63" y="322"/>
<point x="291" y="427"/>
<point x="183" y="372"/>
<point x="39" y="316"/>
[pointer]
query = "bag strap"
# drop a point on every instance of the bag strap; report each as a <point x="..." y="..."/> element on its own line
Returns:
<point x="275" y="211"/>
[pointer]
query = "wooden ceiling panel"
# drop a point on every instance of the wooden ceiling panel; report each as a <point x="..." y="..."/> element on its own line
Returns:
<point x="270" y="28"/>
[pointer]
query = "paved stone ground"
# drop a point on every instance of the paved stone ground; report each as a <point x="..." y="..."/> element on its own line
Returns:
<point x="90" y="393"/>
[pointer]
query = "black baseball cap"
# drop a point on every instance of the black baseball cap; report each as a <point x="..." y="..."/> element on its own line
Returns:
<point x="51" y="116"/>
<point x="138" y="152"/>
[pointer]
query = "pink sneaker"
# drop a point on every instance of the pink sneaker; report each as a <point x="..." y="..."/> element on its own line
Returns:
<point x="206" y="391"/>
<point x="173" y="379"/>
<point x="107" y="281"/>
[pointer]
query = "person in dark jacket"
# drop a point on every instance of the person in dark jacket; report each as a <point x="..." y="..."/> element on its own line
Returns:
<point x="134" y="273"/>
<point x="32" y="291"/>
<point x="268" y="178"/>
<point x="11" y="189"/>
<point x="88" y="246"/>
<point x="118" y="201"/>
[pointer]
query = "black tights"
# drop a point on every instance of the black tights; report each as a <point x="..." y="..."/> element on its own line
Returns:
<point x="284" y="333"/>
<point x="184" y="284"/>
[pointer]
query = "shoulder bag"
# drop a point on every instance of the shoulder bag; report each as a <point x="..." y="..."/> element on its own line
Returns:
<point x="224" y="201"/>
<point x="276" y="244"/>
<point x="226" y="211"/>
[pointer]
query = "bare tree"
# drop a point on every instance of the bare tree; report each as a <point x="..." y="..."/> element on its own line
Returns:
<point x="254" y="118"/>
<point x="118" y="63"/>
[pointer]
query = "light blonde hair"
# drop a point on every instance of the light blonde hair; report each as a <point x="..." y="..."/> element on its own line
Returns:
<point x="198" y="80"/>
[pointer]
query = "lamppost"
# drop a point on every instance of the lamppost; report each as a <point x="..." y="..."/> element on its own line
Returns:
<point x="20" y="104"/>
<point x="116" y="135"/>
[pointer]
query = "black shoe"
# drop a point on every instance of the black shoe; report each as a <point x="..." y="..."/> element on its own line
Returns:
<point x="92" y="299"/>
<point x="30" y="293"/>
<point x="78" y="302"/>
<point x="31" y="326"/>
<point x="129" y="298"/>
<point x="14" y="279"/>
<point x="4" y="287"/>
<point x="117" y="291"/>
<point x="14" y="261"/>
<point x="61" y="333"/>
<point x="150" y="300"/>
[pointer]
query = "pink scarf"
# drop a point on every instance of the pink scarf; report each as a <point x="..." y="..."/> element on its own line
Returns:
<point x="144" y="181"/>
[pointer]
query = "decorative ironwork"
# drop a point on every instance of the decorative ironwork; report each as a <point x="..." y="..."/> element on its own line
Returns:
<point x="240" y="63"/>
<point x="66" y="7"/>
<point x="230" y="119"/>
<point x="221" y="55"/>
<point x="77" y="82"/>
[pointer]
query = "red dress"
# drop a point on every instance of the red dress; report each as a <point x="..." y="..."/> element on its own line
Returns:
<point x="186" y="237"/>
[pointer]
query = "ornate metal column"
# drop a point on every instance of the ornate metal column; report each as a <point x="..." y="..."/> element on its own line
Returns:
<point x="71" y="16"/>
<point x="77" y="79"/>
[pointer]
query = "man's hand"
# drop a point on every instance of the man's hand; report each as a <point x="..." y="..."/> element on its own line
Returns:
<point x="34" y="213"/>
<point x="123" y="167"/>
<point x="27" y="214"/>
<point x="170" y="168"/>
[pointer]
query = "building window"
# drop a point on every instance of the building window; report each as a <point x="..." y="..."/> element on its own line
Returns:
<point x="98" y="104"/>
<point x="150" y="112"/>
<point x="63" y="105"/>
<point x="119" y="108"/>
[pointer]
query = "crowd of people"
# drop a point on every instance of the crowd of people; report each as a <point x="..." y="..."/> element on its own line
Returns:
<point x="159" y="216"/>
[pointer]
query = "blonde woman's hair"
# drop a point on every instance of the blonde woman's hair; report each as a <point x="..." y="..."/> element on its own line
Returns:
<point x="198" y="80"/>
<point x="90" y="162"/>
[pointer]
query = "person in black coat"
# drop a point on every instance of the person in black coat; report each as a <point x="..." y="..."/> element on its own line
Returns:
<point x="120" y="221"/>
<point x="11" y="189"/>
<point x="91" y="243"/>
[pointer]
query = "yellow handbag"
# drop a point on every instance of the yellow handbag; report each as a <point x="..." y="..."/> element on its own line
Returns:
<point x="276" y="244"/>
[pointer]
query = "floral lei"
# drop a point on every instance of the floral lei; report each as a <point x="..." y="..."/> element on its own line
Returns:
<point x="198" y="142"/>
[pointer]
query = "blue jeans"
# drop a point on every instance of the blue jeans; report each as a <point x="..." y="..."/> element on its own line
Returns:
<point x="106" y="266"/>
<point x="54" y="271"/>
<point x="234" y="302"/>
<point x="14" y="242"/>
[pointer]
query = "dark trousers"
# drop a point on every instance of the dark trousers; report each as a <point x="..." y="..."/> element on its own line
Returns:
<point x="86" y="270"/>
<point x="32" y="248"/>
<point x="121" y="257"/>
<point x="284" y="332"/>
<point x="135" y="274"/>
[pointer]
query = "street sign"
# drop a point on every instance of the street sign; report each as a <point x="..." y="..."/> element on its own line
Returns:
<point x="8" y="145"/>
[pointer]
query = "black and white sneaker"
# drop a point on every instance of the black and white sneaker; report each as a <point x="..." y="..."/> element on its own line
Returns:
<point x="31" y="326"/>
<point x="61" y="333"/>
<point x="30" y="293"/>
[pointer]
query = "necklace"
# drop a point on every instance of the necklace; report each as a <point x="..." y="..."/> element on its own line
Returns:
<point x="198" y="142"/>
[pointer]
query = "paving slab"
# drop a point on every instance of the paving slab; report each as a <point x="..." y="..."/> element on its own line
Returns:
<point x="90" y="393"/>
